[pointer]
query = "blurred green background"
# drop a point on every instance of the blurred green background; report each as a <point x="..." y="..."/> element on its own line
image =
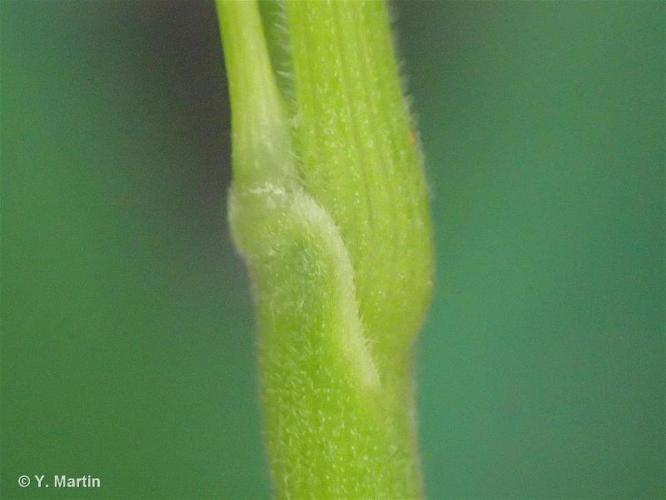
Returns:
<point x="127" y="344"/>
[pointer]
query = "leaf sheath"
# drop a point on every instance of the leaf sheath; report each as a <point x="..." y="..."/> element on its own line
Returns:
<point x="329" y="209"/>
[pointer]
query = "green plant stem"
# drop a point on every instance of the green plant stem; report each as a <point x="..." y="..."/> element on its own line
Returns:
<point x="329" y="208"/>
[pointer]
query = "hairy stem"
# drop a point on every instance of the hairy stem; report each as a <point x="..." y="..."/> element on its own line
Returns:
<point x="329" y="209"/>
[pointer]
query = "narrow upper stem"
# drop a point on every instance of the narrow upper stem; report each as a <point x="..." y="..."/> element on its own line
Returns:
<point x="259" y="122"/>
